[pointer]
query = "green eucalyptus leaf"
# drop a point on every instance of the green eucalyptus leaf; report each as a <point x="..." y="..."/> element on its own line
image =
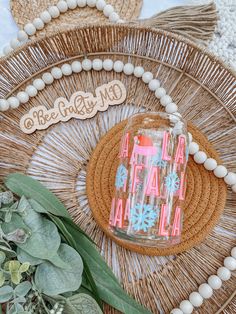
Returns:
<point x="2" y="278"/>
<point x="7" y="249"/>
<point x="16" y="308"/>
<point x="24" y="185"/>
<point x="23" y="288"/>
<point x="52" y="280"/>
<point x="23" y="257"/>
<point x="6" y="293"/>
<point x="37" y="207"/>
<point x="24" y="267"/>
<point x="15" y="230"/>
<point x="81" y="304"/>
<point x="2" y="257"/>
<point x="8" y="216"/>
<point x="44" y="240"/>
<point x="23" y="205"/>
<point x="57" y="261"/>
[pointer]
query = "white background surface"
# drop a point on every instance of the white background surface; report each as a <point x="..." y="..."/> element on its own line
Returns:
<point x="8" y="26"/>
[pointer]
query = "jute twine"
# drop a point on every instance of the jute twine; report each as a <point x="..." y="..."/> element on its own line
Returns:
<point x="204" y="90"/>
<point x="205" y="199"/>
<point x="25" y="11"/>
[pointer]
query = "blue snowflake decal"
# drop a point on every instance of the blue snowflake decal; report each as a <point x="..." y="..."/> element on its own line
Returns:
<point x="157" y="161"/>
<point x="142" y="217"/>
<point x="121" y="176"/>
<point x="172" y="182"/>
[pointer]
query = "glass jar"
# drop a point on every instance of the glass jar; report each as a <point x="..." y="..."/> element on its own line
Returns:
<point x="150" y="183"/>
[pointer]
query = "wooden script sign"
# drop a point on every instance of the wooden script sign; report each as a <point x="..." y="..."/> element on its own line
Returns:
<point x="81" y="105"/>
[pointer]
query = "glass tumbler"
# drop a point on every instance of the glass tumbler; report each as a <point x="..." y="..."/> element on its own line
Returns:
<point x="150" y="183"/>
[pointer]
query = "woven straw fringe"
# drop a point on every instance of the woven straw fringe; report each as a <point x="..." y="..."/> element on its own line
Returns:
<point x="204" y="91"/>
<point x="194" y="22"/>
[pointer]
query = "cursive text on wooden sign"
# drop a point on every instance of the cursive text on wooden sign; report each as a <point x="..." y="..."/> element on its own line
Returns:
<point x="82" y="105"/>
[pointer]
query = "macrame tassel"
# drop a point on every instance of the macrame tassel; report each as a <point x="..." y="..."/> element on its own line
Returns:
<point x="195" y="22"/>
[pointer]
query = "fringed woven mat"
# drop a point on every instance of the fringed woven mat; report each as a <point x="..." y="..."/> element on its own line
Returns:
<point x="204" y="91"/>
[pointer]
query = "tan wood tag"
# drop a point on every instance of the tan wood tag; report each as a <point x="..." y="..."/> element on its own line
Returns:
<point x="82" y="105"/>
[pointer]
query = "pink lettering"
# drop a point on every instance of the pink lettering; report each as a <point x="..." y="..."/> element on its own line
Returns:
<point x="179" y="156"/>
<point x="165" y="145"/>
<point x="119" y="213"/>
<point x="135" y="179"/>
<point x="163" y="221"/>
<point x="125" y="146"/>
<point x="177" y="222"/>
<point x="127" y="209"/>
<point x="153" y="185"/>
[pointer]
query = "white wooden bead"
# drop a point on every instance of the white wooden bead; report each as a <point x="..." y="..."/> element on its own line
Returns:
<point x="23" y="97"/>
<point x="233" y="252"/>
<point x="76" y="66"/>
<point x="205" y="291"/>
<point x="230" y="179"/>
<point x="114" y="17"/>
<point x="193" y="148"/>
<point x="210" y="164"/>
<point x="39" y="84"/>
<point x="91" y="3"/>
<point x="200" y="157"/>
<point x="214" y="282"/>
<point x="120" y="21"/>
<point x="97" y="64"/>
<point x="4" y="105"/>
<point x="230" y="263"/>
<point x="220" y="171"/>
<point x="56" y="73"/>
<point x="196" y="299"/>
<point x="87" y="64"/>
<point x="38" y="23"/>
<point x="31" y="90"/>
<point x="233" y="188"/>
<point x="22" y="35"/>
<point x="107" y="64"/>
<point x="54" y="11"/>
<point x="30" y="29"/>
<point x="138" y="71"/>
<point x="13" y="102"/>
<point x="171" y="108"/>
<point x="47" y="78"/>
<point x="147" y="77"/>
<point x="224" y="273"/>
<point x="45" y="17"/>
<point x="186" y="307"/>
<point x="154" y="84"/>
<point x="128" y="68"/>
<point x="100" y="5"/>
<point x="118" y="66"/>
<point x="160" y="92"/>
<point x="176" y="311"/>
<point x="14" y="43"/>
<point x="72" y="4"/>
<point x="190" y="137"/>
<point x="165" y="100"/>
<point x="108" y="9"/>
<point x="7" y="49"/>
<point x="81" y="3"/>
<point x="62" y="6"/>
<point x="66" y="69"/>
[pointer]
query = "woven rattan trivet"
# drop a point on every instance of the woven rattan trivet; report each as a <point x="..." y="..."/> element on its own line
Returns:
<point x="26" y="10"/>
<point x="204" y="202"/>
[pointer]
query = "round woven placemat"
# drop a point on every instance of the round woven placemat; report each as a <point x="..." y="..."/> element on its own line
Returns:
<point x="25" y="11"/>
<point x="204" y="202"/>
